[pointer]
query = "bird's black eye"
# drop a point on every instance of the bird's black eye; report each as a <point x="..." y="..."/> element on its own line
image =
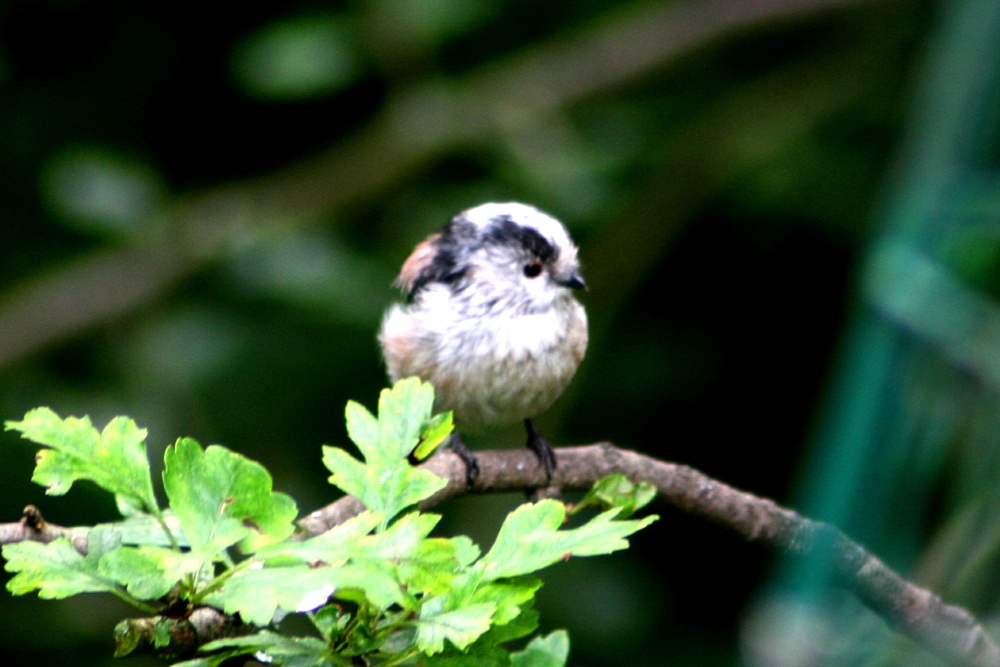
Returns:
<point x="533" y="269"/>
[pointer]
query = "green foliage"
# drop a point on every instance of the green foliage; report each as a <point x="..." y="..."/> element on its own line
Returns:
<point x="376" y="587"/>
<point x="386" y="482"/>
<point x="114" y="459"/>
<point x="222" y="498"/>
<point x="617" y="491"/>
<point x="550" y="651"/>
<point x="530" y="539"/>
<point x="55" y="570"/>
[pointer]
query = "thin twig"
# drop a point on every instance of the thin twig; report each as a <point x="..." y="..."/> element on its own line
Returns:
<point x="35" y="528"/>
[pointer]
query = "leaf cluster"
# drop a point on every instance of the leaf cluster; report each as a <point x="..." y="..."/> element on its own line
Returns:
<point x="377" y="589"/>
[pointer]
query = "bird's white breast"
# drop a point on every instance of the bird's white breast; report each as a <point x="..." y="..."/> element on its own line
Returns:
<point x="494" y="366"/>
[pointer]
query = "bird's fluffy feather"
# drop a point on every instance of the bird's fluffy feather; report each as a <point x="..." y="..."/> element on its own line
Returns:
<point x="497" y="344"/>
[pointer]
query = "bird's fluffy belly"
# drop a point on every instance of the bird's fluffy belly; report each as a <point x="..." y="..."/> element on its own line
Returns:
<point x="489" y="369"/>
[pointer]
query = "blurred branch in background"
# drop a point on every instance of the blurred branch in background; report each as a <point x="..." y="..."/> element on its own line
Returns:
<point x="916" y="389"/>
<point x="416" y="126"/>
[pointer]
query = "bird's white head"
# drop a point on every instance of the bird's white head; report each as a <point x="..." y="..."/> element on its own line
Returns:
<point x="503" y="255"/>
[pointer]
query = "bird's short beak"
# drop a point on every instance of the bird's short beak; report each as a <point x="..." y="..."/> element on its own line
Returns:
<point x="574" y="281"/>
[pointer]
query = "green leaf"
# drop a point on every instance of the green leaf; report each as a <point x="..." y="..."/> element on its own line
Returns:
<point x="161" y="635"/>
<point x="222" y="498"/>
<point x="301" y="575"/>
<point x="386" y="482"/>
<point x="256" y="594"/>
<point x="334" y="547"/>
<point x="482" y="653"/>
<point x="530" y="539"/>
<point x="551" y="651"/>
<point x="114" y="459"/>
<point x="401" y="557"/>
<point x="56" y="570"/>
<point x="376" y="580"/>
<point x="145" y="529"/>
<point x="618" y="491"/>
<point x="352" y="541"/>
<point x="387" y="489"/>
<point x="509" y="596"/>
<point x="433" y="565"/>
<point x="362" y="428"/>
<point x="403" y="412"/>
<point x="461" y="627"/>
<point x="142" y="571"/>
<point x="101" y="540"/>
<point x="278" y="648"/>
<point x="401" y="539"/>
<point x="331" y="621"/>
<point x="272" y="647"/>
<point x="434" y="433"/>
<point x="404" y="419"/>
<point x="523" y="625"/>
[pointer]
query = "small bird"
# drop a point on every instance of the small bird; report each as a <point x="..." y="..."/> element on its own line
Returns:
<point x="490" y="320"/>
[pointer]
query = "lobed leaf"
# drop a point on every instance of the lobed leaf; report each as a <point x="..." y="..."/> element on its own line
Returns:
<point x="403" y="412"/>
<point x="145" y="529"/>
<point x="618" y="491"/>
<point x="257" y="593"/>
<point x="386" y="482"/>
<point x="403" y="553"/>
<point x="435" y="563"/>
<point x="404" y="589"/>
<point x="56" y="570"/>
<point x="530" y="539"/>
<point x="362" y="428"/>
<point x="387" y="488"/>
<point x="269" y="647"/>
<point x="461" y="626"/>
<point x="221" y="498"/>
<point x="509" y="597"/>
<point x="479" y="654"/>
<point x="333" y="547"/>
<point x="147" y="573"/>
<point x="114" y="459"/>
<point x="551" y="651"/>
<point x="521" y="626"/>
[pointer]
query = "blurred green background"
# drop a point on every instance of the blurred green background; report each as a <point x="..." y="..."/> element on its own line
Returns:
<point x="787" y="213"/>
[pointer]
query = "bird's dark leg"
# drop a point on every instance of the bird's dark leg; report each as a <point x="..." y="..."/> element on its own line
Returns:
<point x="542" y="449"/>
<point x="468" y="458"/>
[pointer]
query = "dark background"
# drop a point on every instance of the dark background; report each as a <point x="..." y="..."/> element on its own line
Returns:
<point x="204" y="209"/>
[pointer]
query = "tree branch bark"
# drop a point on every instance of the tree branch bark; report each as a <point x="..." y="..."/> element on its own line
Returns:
<point x="34" y="527"/>
<point x="948" y="631"/>
<point x="945" y="630"/>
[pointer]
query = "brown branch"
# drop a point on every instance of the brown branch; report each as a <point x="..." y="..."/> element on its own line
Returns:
<point x="32" y="527"/>
<point x="135" y="636"/>
<point x="946" y="630"/>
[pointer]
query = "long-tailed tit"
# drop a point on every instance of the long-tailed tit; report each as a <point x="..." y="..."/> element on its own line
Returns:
<point x="490" y="319"/>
